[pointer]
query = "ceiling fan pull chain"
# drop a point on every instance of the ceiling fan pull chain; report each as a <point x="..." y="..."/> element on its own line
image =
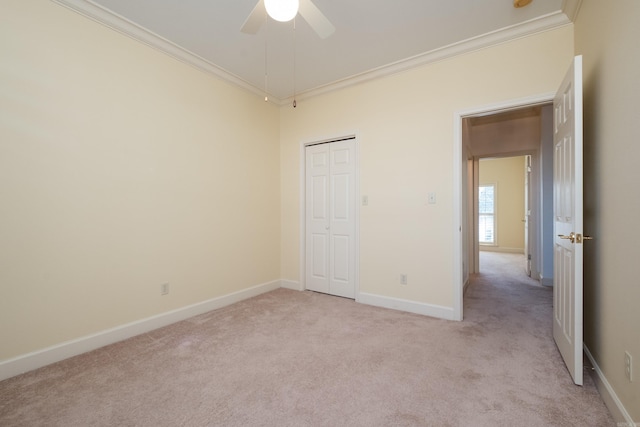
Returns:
<point x="266" y="81"/>
<point x="294" y="63"/>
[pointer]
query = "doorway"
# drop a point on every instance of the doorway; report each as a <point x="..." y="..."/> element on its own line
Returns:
<point x="516" y="128"/>
<point x="503" y="208"/>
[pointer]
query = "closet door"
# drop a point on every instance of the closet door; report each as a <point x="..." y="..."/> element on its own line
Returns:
<point x="330" y="218"/>
<point x="317" y="218"/>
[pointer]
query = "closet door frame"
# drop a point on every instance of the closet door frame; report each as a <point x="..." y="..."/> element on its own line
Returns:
<point x="302" y="209"/>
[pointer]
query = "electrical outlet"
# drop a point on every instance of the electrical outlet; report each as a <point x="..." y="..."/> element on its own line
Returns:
<point x="403" y="279"/>
<point x="628" y="365"/>
<point x="164" y="289"/>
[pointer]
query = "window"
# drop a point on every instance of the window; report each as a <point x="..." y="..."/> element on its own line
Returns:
<point x="487" y="218"/>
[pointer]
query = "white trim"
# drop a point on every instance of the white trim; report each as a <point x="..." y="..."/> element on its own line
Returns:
<point x="546" y="281"/>
<point x="494" y="248"/>
<point x="503" y="35"/>
<point x="571" y="8"/>
<point x="302" y="216"/>
<point x="291" y="284"/>
<point x="495" y="215"/>
<point x="58" y="352"/>
<point x="104" y="16"/>
<point x="458" y="283"/>
<point x="431" y="310"/>
<point x="458" y="268"/>
<point x="357" y="225"/>
<point x="608" y="394"/>
<point x="95" y="12"/>
<point x="302" y="206"/>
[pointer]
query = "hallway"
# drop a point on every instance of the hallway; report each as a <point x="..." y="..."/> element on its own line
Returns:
<point x="513" y="313"/>
<point x="505" y="264"/>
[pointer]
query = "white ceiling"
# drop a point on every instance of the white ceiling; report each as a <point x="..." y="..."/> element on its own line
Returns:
<point x="372" y="37"/>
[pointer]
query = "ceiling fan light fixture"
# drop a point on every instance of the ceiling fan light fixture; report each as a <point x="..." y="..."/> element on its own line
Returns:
<point x="282" y="10"/>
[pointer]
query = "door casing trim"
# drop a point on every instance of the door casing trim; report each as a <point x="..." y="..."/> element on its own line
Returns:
<point x="498" y="107"/>
<point x="302" y="207"/>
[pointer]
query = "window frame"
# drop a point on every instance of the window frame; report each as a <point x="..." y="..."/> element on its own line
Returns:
<point x="494" y="214"/>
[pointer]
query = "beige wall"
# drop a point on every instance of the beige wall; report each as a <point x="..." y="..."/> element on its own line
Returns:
<point x="510" y="136"/>
<point x="405" y="127"/>
<point x="121" y="169"/>
<point x="607" y="35"/>
<point x="508" y="176"/>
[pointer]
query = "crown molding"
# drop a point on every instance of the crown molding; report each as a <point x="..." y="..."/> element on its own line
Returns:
<point x="534" y="26"/>
<point x="130" y="29"/>
<point x="97" y="13"/>
<point x="571" y="8"/>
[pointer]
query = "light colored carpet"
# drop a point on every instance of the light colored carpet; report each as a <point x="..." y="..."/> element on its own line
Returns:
<point x="290" y="358"/>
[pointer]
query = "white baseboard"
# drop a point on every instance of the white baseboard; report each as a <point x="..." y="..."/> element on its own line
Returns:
<point x="502" y="249"/>
<point x="465" y="287"/>
<point x="406" y="305"/>
<point x="291" y="284"/>
<point x="546" y="281"/>
<point x="56" y="353"/>
<point x="608" y="394"/>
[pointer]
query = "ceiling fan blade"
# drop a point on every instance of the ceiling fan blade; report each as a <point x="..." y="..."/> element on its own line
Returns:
<point x="316" y="19"/>
<point x="255" y="19"/>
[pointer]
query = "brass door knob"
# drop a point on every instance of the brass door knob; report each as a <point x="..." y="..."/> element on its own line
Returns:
<point x="571" y="237"/>
<point x="580" y="238"/>
<point x="575" y="238"/>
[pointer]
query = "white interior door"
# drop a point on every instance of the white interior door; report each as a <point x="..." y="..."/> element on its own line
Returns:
<point x="568" y="221"/>
<point x="317" y="218"/>
<point x="330" y="218"/>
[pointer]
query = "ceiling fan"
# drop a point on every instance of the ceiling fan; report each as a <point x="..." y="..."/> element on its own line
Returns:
<point x="306" y="9"/>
